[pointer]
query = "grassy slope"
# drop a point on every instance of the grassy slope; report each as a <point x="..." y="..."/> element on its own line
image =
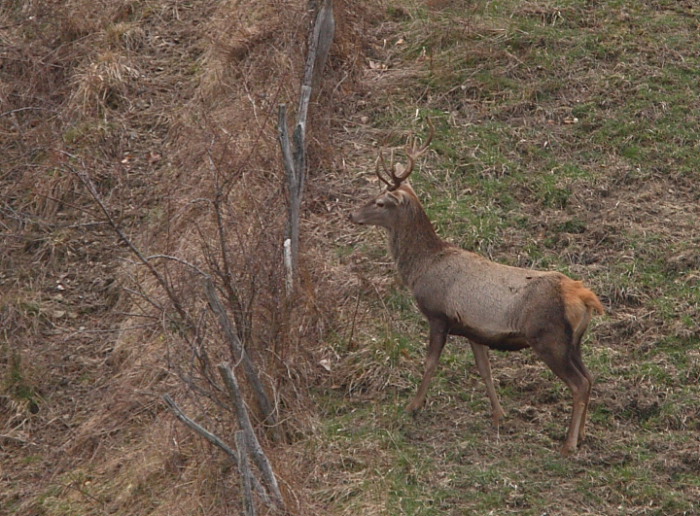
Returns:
<point x="567" y="139"/>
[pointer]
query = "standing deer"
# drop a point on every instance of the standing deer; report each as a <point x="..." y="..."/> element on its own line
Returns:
<point x="493" y="305"/>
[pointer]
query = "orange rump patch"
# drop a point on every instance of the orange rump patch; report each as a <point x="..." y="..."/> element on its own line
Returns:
<point x="578" y="300"/>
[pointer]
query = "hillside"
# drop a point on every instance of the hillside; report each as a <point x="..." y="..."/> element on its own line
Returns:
<point x="140" y="155"/>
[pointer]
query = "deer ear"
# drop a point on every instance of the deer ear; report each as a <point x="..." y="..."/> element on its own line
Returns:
<point x="402" y="195"/>
<point x="393" y="198"/>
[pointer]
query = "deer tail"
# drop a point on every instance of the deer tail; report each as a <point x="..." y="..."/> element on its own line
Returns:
<point x="579" y="303"/>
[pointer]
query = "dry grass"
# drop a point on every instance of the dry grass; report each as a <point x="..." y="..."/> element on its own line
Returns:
<point x="171" y="111"/>
<point x="103" y="83"/>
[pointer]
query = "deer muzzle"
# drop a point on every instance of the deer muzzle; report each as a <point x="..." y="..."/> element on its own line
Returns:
<point x="354" y="217"/>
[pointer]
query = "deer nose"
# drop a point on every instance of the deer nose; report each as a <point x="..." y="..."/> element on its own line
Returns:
<point x="352" y="218"/>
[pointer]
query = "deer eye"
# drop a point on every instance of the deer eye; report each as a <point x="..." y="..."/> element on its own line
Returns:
<point x="379" y="203"/>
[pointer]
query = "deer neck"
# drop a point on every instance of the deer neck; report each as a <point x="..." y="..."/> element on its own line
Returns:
<point x="414" y="244"/>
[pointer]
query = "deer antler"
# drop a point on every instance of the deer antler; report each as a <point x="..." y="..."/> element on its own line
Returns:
<point x="380" y="161"/>
<point x="412" y="153"/>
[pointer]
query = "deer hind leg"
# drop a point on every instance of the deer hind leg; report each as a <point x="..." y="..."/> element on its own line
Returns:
<point x="576" y="356"/>
<point x="438" y="336"/>
<point x="562" y="362"/>
<point x="481" y="357"/>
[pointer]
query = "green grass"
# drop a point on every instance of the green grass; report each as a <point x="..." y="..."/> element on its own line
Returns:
<point x="566" y="138"/>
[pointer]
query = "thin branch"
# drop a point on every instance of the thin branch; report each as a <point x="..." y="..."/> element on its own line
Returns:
<point x="241" y="311"/>
<point x="108" y="215"/>
<point x="216" y="441"/>
<point x="354" y="318"/>
<point x="27" y="108"/>
<point x="178" y="260"/>
<point x="143" y="295"/>
<point x="240" y="355"/>
<point x="254" y="447"/>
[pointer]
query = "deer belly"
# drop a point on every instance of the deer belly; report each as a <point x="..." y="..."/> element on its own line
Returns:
<point x="485" y="316"/>
<point x="502" y="341"/>
<point x="486" y="323"/>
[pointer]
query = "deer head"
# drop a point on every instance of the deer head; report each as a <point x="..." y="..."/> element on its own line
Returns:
<point x="380" y="211"/>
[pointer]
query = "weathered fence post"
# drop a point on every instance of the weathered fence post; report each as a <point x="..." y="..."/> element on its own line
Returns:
<point x="294" y="158"/>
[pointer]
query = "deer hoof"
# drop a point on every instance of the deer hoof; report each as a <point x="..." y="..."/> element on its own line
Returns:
<point x="413" y="409"/>
<point x="567" y="450"/>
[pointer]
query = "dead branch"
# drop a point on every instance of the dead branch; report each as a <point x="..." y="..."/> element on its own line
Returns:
<point x="224" y="269"/>
<point x="320" y="41"/>
<point x="87" y="182"/>
<point x="178" y="260"/>
<point x="246" y="475"/>
<point x="261" y="460"/>
<point x="240" y="356"/>
<point x="216" y="441"/>
<point x="295" y="158"/>
<point x="294" y="164"/>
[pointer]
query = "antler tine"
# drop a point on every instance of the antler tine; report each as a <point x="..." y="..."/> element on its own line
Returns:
<point x="380" y="161"/>
<point x="388" y="171"/>
<point x="413" y="154"/>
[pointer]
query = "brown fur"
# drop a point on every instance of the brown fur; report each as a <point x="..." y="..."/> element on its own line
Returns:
<point x="579" y="304"/>
<point x="493" y="305"/>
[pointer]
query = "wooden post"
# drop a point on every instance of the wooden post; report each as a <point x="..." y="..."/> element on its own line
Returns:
<point x="295" y="158"/>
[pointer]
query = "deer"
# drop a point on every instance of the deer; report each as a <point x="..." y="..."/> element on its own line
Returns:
<point x="493" y="305"/>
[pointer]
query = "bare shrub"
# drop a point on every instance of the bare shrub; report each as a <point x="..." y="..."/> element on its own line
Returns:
<point x="169" y="110"/>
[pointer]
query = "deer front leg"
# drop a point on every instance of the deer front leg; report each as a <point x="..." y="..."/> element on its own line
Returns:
<point x="438" y="336"/>
<point x="481" y="357"/>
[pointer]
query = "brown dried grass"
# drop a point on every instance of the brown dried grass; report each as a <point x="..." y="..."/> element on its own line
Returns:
<point x="165" y="118"/>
